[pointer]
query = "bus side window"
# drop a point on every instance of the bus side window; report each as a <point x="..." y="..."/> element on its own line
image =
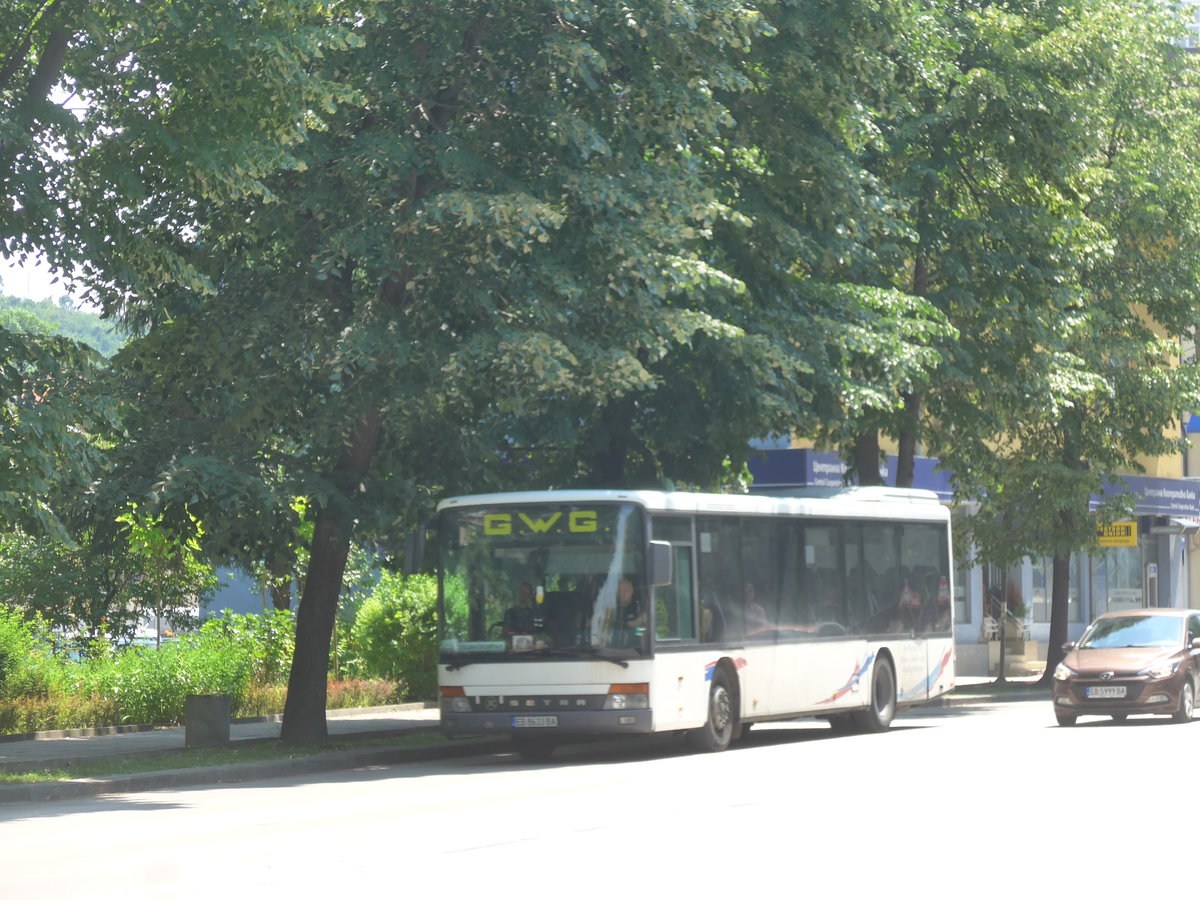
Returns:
<point x="673" y="618"/>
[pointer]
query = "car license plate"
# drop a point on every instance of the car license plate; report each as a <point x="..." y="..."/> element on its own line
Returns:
<point x="535" y="721"/>
<point x="1107" y="692"/>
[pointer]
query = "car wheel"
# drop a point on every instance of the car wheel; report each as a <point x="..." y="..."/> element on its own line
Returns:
<point x="1065" y="719"/>
<point x="878" y="716"/>
<point x="1187" y="703"/>
<point x="715" y="735"/>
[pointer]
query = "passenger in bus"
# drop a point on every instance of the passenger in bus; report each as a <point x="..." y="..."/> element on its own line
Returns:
<point x="519" y="618"/>
<point x="755" y="615"/>
<point x="712" y="621"/>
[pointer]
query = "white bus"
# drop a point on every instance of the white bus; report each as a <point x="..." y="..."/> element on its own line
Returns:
<point x="573" y="613"/>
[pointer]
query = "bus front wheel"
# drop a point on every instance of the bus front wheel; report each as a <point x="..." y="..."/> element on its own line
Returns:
<point x="717" y="732"/>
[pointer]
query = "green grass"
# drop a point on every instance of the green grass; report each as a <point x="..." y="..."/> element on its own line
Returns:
<point x="200" y="758"/>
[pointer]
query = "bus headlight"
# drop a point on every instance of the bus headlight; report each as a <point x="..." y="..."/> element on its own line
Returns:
<point x="454" y="699"/>
<point x="628" y="696"/>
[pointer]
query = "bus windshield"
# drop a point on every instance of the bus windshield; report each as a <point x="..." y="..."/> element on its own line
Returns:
<point x="526" y="580"/>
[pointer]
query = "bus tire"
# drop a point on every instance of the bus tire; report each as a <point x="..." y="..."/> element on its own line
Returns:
<point x="717" y="732"/>
<point x="533" y="749"/>
<point x="881" y="710"/>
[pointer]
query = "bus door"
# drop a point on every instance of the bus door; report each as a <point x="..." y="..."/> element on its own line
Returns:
<point x="678" y="691"/>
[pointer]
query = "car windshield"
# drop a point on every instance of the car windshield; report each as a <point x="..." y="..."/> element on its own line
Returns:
<point x="1133" y="631"/>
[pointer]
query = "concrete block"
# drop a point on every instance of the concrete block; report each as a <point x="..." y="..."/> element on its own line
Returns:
<point x="206" y="720"/>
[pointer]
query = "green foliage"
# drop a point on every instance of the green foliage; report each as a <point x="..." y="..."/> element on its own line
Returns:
<point x="108" y="579"/>
<point x="56" y="712"/>
<point x="394" y="636"/>
<point x="247" y="656"/>
<point x="269" y="640"/>
<point x="172" y="576"/>
<point x="150" y="684"/>
<point x="18" y="645"/>
<point x="86" y="328"/>
<point x="375" y="254"/>
<point x="50" y="413"/>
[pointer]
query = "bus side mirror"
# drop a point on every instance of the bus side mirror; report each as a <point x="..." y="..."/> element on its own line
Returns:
<point x="661" y="564"/>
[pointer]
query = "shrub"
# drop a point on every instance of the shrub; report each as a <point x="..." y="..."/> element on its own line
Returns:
<point x="28" y="666"/>
<point x="150" y="685"/>
<point x="270" y="639"/>
<point x="23" y="715"/>
<point x="260" y="700"/>
<point x="357" y="693"/>
<point x="394" y="636"/>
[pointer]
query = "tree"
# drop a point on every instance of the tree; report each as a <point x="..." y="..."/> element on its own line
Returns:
<point x="504" y="219"/>
<point x="114" y="116"/>
<point x="114" y="119"/>
<point x="817" y="226"/>
<point x="1110" y="375"/>
<point x="108" y="579"/>
<point x="48" y="416"/>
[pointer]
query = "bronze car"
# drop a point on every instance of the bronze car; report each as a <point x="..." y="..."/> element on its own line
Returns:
<point x="1135" y="662"/>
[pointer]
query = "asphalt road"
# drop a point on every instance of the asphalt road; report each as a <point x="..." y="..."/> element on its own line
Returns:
<point x="988" y="800"/>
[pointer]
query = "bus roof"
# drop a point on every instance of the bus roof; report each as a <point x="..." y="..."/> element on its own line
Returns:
<point x="867" y="502"/>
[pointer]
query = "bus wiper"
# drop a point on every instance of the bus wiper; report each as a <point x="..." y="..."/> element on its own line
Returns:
<point x="590" y="652"/>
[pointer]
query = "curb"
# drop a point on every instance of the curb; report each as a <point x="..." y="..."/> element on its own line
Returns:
<point x="952" y="700"/>
<point x="240" y="772"/>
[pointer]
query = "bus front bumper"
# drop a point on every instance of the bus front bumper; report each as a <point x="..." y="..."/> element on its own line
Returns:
<point x="616" y="721"/>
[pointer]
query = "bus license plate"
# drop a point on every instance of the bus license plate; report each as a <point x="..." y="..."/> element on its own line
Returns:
<point x="1106" y="693"/>
<point x="535" y="721"/>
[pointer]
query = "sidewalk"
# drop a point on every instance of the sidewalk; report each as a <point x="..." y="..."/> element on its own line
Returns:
<point x="1017" y="688"/>
<point x="62" y="749"/>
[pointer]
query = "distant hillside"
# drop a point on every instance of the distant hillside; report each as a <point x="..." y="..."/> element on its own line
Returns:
<point x="50" y="318"/>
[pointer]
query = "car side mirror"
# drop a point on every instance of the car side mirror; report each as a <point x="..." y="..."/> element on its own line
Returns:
<point x="1068" y="646"/>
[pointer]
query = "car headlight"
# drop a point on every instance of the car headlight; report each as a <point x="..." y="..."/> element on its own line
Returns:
<point x="1062" y="673"/>
<point x="1163" y="669"/>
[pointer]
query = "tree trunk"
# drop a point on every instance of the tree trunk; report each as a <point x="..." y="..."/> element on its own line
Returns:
<point x="304" y="710"/>
<point x="906" y="455"/>
<point x="866" y="458"/>
<point x="910" y="429"/>
<point x="1060" y="594"/>
<point x="281" y="594"/>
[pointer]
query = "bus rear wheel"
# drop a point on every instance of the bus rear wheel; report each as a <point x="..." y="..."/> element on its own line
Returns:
<point x="717" y="732"/>
<point x="878" y="715"/>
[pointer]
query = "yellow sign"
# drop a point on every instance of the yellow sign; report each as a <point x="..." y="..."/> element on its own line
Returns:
<point x="1118" y="534"/>
<point x="579" y="521"/>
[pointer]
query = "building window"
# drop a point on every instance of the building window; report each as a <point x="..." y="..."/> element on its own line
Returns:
<point x="962" y="595"/>
<point x="1041" y="595"/>
<point x="1117" y="580"/>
